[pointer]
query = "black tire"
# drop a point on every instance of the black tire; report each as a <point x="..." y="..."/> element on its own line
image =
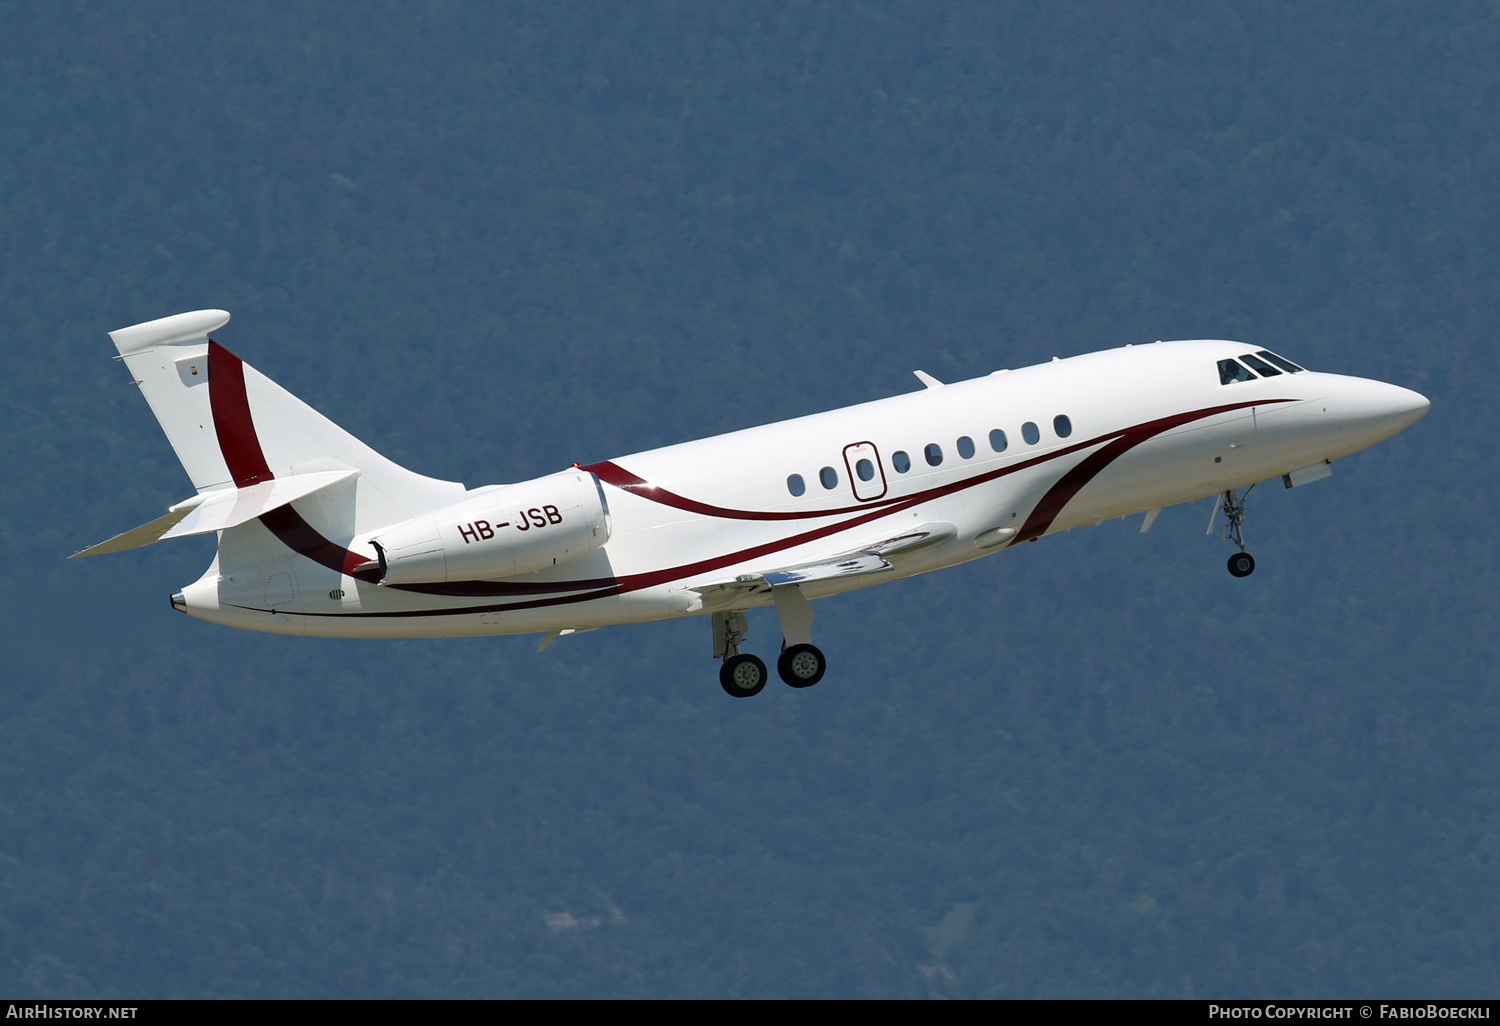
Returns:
<point x="801" y="666"/>
<point x="743" y="676"/>
<point x="1242" y="564"/>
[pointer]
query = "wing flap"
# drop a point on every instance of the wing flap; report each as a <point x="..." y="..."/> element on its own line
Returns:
<point x="852" y="566"/>
<point x="917" y="538"/>
<point x="873" y="558"/>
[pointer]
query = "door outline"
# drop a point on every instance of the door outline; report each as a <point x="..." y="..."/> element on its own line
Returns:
<point x="868" y="451"/>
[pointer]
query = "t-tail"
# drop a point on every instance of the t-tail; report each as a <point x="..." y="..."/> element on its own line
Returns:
<point x="270" y="472"/>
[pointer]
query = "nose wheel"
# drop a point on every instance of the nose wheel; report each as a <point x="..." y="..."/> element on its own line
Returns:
<point x="1242" y="564"/>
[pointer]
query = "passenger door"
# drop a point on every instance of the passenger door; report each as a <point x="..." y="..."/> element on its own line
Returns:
<point x="866" y="474"/>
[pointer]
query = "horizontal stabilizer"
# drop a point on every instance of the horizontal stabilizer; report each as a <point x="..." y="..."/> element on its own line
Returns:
<point x="220" y="510"/>
<point x="136" y="537"/>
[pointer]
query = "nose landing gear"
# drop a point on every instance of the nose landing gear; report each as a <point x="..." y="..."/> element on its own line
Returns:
<point x="1241" y="564"/>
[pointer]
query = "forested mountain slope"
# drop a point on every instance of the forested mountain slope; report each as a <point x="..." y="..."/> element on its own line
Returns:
<point x="494" y="239"/>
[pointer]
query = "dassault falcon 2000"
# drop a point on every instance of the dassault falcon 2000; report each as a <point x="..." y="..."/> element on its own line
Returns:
<point x="319" y="534"/>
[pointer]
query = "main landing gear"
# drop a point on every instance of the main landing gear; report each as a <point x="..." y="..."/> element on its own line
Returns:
<point x="801" y="664"/>
<point x="743" y="675"/>
<point x="1241" y="564"/>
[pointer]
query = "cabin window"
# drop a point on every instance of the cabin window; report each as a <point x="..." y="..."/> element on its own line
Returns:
<point x="1062" y="425"/>
<point x="1230" y="372"/>
<point x="1280" y="361"/>
<point x="1260" y="367"/>
<point x="865" y="469"/>
<point x="934" y="454"/>
<point x="1031" y="433"/>
<point x="965" y="447"/>
<point x="796" y="485"/>
<point x="900" y="461"/>
<point x="829" y="477"/>
<point x="998" y="441"/>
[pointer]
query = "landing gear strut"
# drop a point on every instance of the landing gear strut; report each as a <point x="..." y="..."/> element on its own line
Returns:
<point x="742" y="674"/>
<point x="801" y="664"/>
<point x="1241" y="564"/>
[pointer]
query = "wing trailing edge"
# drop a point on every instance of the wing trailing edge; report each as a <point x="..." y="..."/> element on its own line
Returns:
<point x="873" y="558"/>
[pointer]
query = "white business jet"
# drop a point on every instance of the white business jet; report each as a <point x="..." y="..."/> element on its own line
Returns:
<point x="319" y="534"/>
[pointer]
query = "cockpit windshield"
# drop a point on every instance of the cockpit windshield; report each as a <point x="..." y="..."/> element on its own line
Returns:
<point x="1260" y="366"/>
<point x="1230" y="372"/>
<point x="1280" y="361"/>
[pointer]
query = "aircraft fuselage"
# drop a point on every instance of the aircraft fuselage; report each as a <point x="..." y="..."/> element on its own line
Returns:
<point x="996" y="461"/>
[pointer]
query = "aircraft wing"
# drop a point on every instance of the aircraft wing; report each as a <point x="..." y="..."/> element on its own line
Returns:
<point x="874" y="558"/>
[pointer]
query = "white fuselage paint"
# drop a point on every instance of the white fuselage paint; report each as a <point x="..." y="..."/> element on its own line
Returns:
<point x="658" y="553"/>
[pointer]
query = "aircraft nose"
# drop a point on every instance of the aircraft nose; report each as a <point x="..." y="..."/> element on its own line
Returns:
<point x="1377" y="410"/>
<point x="1414" y="404"/>
<point x="1397" y="407"/>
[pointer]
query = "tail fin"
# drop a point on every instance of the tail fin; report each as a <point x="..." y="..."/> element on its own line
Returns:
<point x="233" y="428"/>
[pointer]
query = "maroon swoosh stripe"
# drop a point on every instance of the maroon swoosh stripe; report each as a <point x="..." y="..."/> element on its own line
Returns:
<point x="612" y="473"/>
<point x="301" y="537"/>
<point x="232" y="422"/>
<point x="618" y="476"/>
<point x="1071" y="483"/>
<point x="235" y="428"/>
<point x="1041" y="517"/>
<point x="492" y="589"/>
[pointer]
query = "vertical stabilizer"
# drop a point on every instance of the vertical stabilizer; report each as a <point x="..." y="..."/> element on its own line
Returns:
<point x="169" y="360"/>
<point x="233" y="427"/>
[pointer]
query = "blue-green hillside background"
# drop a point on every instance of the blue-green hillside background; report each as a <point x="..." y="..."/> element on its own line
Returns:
<point x="492" y="239"/>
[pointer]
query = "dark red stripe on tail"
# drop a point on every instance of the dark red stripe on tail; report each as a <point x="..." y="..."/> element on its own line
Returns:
<point x="232" y="422"/>
<point x="247" y="462"/>
<point x="300" y="536"/>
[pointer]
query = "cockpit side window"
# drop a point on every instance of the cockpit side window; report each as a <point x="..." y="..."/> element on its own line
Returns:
<point x="1260" y="367"/>
<point x="1230" y="372"/>
<point x="1280" y="361"/>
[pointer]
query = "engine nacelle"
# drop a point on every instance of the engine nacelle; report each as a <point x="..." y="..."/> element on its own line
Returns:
<point x="499" y="531"/>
